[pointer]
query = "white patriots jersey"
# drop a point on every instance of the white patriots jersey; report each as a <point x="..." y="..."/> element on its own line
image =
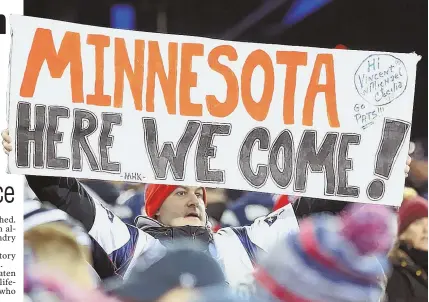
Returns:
<point x="238" y="248"/>
<point x="235" y="248"/>
<point x="117" y="245"/>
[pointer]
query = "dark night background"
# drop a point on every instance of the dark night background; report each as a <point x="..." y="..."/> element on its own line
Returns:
<point x="385" y="25"/>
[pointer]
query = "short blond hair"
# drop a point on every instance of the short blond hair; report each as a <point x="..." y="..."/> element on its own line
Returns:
<point x="55" y="246"/>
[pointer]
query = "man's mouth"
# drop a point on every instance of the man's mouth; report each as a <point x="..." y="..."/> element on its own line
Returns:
<point x="192" y="215"/>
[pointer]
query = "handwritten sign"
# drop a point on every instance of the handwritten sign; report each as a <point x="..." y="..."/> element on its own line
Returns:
<point x="381" y="79"/>
<point x="111" y="104"/>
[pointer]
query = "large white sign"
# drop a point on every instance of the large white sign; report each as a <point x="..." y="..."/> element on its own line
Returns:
<point x="111" y="104"/>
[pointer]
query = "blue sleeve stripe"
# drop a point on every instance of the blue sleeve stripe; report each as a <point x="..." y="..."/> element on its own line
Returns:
<point x="122" y="256"/>
<point x="251" y="248"/>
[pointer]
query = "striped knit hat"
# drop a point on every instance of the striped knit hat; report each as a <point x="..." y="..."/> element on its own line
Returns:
<point x="331" y="259"/>
<point x="36" y="214"/>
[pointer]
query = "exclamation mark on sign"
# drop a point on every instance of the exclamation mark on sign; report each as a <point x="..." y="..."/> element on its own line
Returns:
<point x="2" y="25"/>
<point x="394" y="133"/>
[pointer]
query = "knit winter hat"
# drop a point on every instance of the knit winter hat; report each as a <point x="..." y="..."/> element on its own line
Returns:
<point x="155" y="195"/>
<point x="411" y="210"/>
<point x="331" y="259"/>
<point x="409" y="193"/>
<point x="46" y="285"/>
<point x="182" y="265"/>
<point x="35" y="214"/>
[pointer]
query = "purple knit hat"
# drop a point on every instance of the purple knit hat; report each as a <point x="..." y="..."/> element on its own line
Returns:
<point x="331" y="259"/>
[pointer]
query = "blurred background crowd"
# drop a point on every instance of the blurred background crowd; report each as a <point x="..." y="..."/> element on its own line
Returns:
<point x="385" y="25"/>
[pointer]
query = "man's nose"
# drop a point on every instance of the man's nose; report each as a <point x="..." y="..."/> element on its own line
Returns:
<point x="193" y="200"/>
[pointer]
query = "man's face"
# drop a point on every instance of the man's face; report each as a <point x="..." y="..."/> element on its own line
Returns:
<point x="185" y="206"/>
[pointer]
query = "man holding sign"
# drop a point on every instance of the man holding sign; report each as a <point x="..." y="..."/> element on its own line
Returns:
<point x="173" y="212"/>
<point x="287" y="120"/>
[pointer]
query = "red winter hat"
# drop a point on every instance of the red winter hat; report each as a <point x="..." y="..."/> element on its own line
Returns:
<point x="411" y="210"/>
<point x="155" y="195"/>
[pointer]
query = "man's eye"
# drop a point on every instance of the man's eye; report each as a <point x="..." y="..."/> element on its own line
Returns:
<point x="181" y="193"/>
<point x="199" y="195"/>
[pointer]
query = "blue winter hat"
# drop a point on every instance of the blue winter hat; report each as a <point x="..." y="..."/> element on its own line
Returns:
<point x="183" y="265"/>
<point x="331" y="259"/>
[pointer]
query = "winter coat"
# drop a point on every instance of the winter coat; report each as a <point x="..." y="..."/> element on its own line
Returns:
<point x="408" y="281"/>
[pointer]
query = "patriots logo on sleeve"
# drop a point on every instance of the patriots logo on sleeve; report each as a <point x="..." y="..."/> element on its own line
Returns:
<point x="272" y="218"/>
